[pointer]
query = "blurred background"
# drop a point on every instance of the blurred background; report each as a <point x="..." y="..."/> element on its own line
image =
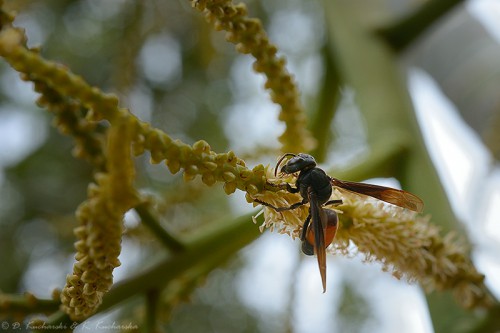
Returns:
<point x="172" y="69"/>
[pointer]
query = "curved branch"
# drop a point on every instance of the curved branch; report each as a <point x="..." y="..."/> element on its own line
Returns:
<point x="147" y="218"/>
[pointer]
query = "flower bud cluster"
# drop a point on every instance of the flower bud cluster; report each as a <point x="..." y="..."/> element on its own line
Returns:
<point x="194" y="160"/>
<point x="70" y="120"/>
<point x="100" y="231"/>
<point x="100" y="105"/>
<point x="287" y="222"/>
<point x="198" y="159"/>
<point x="409" y="246"/>
<point x="405" y="243"/>
<point x="250" y="37"/>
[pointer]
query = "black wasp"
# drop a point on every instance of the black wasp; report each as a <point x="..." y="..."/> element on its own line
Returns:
<point x="315" y="187"/>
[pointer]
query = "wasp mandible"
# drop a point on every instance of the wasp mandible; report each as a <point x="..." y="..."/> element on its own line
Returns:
<point x="315" y="187"/>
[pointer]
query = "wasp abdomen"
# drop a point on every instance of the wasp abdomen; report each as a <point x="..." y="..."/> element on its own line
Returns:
<point x="330" y="231"/>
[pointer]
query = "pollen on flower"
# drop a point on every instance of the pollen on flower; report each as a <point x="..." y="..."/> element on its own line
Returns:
<point x="404" y="242"/>
<point x="286" y="222"/>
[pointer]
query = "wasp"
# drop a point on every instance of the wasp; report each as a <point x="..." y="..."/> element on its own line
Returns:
<point x="315" y="187"/>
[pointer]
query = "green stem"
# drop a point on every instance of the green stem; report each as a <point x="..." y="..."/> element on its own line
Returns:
<point x="371" y="70"/>
<point x="216" y="245"/>
<point x="26" y="304"/>
<point x="169" y="241"/>
<point x="207" y="249"/>
<point x="405" y="31"/>
<point x="491" y="323"/>
<point x="152" y="299"/>
<point x="58" y="322"/>
<point x="327" y="107"/>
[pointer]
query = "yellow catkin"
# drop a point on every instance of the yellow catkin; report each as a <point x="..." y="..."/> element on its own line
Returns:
<point x="100" y="230"/>
<point x="405" y="243"/>
<point x="194" y="160"/>
<point x="251" y="38"/>
<point x="70" y="120"/>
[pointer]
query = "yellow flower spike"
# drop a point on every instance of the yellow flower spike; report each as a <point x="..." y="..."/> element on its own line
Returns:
<point x="252" y="190"/>
<point x="101" y="216"/>
<point x="72" y="292"/>
<point x="172" y="152"/>
<point x="249" y="199"/>
<point x="80" y="245"/>
<point x="406" y="244"/>
<point x="73" y="280"/>
<point x="56" y="76"/>
<point x="79" y="231"/>
<point x="69" y="120"/>
<point x="74" y="302"/>
<point x="250" y="37"/>
<point x="211" y="166"/>
<point x="6" y="18"/>
<point x="229" y="187"/>
<point x="228" y="176"/>
<point x="114" y="261"/>
<point x="186" y="153"/>
<point x="231" y="158"/>
<point x="56" y="294"/>
<point x="201" y="147"/>
<point x="208" y="179"/>
<point x="189" y="175"/>
<point x="79" y="256"/>
<point x="245" y="174"/>
<point x="241" y="163"/>
<point x="89" y="289"/>
<point x="56" y="84"/>
<point x="94" y="299"/>
<point x="173" y="166"/>
<point x="156" y="159"/>
<point x="89" y="276"/>
<point x="157" y="143"/>
<point x="138" y="146"/>
<point x="221" y="158"/>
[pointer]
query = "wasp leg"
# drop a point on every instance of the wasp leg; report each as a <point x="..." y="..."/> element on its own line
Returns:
<point x="280" y="209"/>
<point x="305" y="227"/>
<point x="333" y="202"/>
<point x="291" y="189"/>
<point x="284" y="186"/>
<point x="307" y="247"/>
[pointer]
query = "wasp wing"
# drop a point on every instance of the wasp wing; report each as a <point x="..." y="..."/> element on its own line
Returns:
<point x="391" y="195"/>
<point x="319" y="221"/>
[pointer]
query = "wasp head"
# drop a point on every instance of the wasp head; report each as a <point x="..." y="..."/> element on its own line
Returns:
<point x="298" y="162"/>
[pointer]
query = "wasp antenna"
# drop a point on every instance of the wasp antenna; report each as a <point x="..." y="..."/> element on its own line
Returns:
<point x="281" y="160"/>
